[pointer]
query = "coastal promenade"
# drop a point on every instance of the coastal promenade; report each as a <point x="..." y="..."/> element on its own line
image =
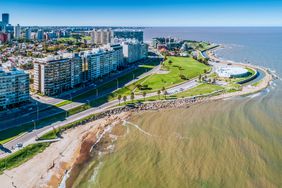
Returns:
<point x="111" y="108"/>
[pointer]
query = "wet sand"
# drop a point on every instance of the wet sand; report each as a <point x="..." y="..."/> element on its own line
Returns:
<point x="49" y="167"/>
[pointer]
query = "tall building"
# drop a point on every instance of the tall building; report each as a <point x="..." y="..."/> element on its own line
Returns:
<point x="17" y="31"/>
<point x="101" y="61"/>
<point x="28" y="34"/>
<point x="40" y="35"/>
<point x="134" y="50"/>
<point x="5" y="18"/>
<point x="128" y="34"/>
<point x="101" y="36"/>
<point x="14" y="87"/>
<point x="53" y="76"/>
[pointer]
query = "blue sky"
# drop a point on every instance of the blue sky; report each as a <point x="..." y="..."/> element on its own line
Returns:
<point x="145" y="12"/>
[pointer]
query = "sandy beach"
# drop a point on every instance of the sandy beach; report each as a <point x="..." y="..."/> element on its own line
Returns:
<point x="48" y="168"/>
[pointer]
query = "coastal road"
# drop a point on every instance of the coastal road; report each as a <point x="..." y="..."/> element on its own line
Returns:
<point x="30" y="137"/>
<point x="44" y="112"/>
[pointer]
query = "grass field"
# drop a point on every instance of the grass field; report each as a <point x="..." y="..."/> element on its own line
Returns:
<point x="188" y="67"/>
<point x="199" y="90"/>
<point x="121" y="80"/>
<point x="21" y="156"/>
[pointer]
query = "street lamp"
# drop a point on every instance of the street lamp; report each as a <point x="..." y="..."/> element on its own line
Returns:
<point x="34" y="124"/>
<point x="117" y="83"/>
<point x="88" y="102"/>
<point x="37" y="111"/>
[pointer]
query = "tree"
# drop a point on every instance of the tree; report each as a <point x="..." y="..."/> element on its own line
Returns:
<point x="165" y="93"/>
<point x="159" y="92"/>
<point x="132" y="97"/>
<point x="119" y="98"/>
<point x="163" y="89"/>
<point x="124" y="98"/>
<point x="200" y="77"/>
<point x="144" y="94"/>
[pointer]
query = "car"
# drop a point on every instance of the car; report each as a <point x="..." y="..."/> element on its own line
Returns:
<point x="19" y="145"/>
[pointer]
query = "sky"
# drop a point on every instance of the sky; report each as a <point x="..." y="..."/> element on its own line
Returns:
<point x="144" y="12"/>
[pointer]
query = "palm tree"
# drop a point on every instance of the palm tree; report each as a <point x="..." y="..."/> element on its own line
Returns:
<point x="119" y="98"/>
<point x="159" y="92"/>
<point x="144" y="94"/>
<point x="165" y="93"/>
<point x="124" y="98"/>
<point x="200" y="77"/>
<point x="163" y="89"/>
<point x="132" y="97"/>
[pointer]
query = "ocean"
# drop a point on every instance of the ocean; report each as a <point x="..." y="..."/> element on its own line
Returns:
<point x="229" y="143"/>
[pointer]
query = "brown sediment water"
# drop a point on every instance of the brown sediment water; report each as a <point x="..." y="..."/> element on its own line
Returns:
<point x="227" y="143"/>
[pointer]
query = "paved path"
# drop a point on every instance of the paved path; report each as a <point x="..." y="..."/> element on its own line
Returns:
<point x="30" y="137"/>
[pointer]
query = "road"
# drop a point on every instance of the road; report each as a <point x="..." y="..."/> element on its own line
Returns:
<point x="30" y="137"/>
<point x="46" y="108"/>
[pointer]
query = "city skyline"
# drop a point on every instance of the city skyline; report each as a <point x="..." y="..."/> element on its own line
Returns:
<point x="145" y="13"/>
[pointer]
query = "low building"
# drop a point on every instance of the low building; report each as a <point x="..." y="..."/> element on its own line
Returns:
<point x="3" y="37"/>
<point x="14" y="87"/>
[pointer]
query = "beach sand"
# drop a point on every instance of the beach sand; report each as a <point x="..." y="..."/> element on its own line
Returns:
<point x="48" y="168"/>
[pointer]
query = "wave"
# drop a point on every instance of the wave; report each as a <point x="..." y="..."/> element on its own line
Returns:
<point x="141" y="130"/>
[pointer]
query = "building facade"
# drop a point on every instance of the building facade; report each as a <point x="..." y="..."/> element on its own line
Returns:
<point x="53" y="76"/>
<point x="5" y="18"/>
<point x="101" y="36"/>
<point x="14" y="87"/>
<point x="134" y="50"/>
<point x="40" y="35"/>
<point x="17" y="31"/>
<point x="28" y="34"/>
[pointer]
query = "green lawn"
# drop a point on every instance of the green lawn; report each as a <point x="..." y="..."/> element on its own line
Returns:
<point x="202" y="89"/>
<point x="188" y="67"/>
<point x="199" y="90"/>
<point x="86" y="38"/>
<point x="66" y="39"/>
<point x="63" y="103"/>
<point x="121" y="80"/>
<point x="251" y="73"/>
<point x="21" y="156"/>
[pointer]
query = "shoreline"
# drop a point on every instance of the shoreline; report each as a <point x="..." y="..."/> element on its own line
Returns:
<point x="50" y="166"/>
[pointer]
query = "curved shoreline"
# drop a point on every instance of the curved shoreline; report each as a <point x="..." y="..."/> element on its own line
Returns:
<point x="64" y="160"/>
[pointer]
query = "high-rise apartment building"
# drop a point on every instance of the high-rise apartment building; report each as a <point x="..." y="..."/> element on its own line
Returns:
<point x="101" y="36"/>
<point x="134" y="50"/>
<point x="128" y="34"/>
<point x="5" y="18"/>
<point x="28" y="34"/>
<point x="53" y="76"/>
<point x="17" y="31"/>
<point x="14" y="87"/>
<point x="40" y="35"/>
